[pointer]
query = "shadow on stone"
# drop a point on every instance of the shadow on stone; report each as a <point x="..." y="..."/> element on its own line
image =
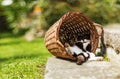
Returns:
<point x="66" y="59"/>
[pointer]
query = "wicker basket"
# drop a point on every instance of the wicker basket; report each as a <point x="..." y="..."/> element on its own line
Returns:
<point x="68" y="27"/>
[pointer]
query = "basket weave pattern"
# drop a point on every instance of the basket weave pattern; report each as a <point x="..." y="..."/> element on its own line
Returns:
<point x="67" y="28"/>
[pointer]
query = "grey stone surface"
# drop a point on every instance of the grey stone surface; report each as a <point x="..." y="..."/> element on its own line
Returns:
<point x="63" y="69"/>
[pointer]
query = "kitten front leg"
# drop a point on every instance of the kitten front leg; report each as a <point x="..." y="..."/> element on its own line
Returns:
<point x="94" y="58"/>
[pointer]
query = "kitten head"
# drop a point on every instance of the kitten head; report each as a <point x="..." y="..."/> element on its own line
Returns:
<point x="80" y="60"/>
<point x="67" y="45"/>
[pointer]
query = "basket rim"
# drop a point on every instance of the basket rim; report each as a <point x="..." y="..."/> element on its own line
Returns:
<point x="68" y="13"/>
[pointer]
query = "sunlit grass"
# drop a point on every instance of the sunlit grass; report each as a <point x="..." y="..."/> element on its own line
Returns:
<point x="20" y="59"/>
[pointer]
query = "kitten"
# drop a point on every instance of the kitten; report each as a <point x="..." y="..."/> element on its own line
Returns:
<point x="80" y="51"/>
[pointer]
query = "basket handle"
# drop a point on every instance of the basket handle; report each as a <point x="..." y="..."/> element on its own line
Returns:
<point x="99" y="28"/>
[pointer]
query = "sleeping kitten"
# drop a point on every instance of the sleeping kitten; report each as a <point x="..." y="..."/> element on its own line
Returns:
<point x="82" y="56"/>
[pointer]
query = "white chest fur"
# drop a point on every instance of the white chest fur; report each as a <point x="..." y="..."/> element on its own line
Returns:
<point x="74" y="49"/>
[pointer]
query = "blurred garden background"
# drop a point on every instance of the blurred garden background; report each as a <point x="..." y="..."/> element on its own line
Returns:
<point x="23" y="24"/>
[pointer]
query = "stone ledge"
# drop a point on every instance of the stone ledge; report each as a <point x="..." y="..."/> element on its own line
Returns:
<point x="62" y="69"/>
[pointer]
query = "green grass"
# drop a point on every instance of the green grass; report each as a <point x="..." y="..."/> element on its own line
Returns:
<point x="20" y="59"/>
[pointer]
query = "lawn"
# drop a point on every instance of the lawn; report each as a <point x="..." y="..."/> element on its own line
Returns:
<point x="20" y="59"/>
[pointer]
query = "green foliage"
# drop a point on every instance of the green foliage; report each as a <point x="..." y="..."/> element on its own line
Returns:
<point x="106" y="58"/>
<point x="20" y="59"/>
<point x="54" y="12"/>
<point x="103" y="12"/>
<point x="16" y="12"/>
<point x="100" y="11"/>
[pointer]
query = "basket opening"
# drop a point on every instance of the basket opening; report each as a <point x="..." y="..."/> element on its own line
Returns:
<point x="76" y="25"/>
<point x="72" y="27"/>
<point x="70" y="34"/>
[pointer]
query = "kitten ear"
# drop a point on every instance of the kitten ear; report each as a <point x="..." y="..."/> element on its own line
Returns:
<point x="67" y="45"/>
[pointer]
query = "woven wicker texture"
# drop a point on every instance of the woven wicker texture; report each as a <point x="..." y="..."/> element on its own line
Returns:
<point x="66" y="29"/>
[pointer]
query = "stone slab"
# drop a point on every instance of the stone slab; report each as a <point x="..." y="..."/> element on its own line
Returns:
<point x="63" y="69"/>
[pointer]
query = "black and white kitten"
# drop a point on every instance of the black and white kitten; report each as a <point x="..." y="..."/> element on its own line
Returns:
<point x="82" y="51"/>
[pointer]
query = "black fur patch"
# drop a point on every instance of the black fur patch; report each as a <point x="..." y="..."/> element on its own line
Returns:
<point x="88" y="48"/>
<point x="80" y="45"/>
